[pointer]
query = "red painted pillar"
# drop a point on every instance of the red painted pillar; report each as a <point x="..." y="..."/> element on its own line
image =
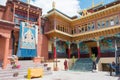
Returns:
<point x="78" y="53"/>
<point x="98" y="47"/>
<point x="54" y="52"/>
<point x="78" y="49"/>
<point x="6" y="51"/>
<point x="39" y="21"/>
<point x="55" y="49"/>
<point x="69" y="50"/>
<point x="55" y="56"/>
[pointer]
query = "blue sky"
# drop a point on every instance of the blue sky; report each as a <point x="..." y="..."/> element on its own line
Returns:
<point x="26" y="0"/>
<point x="87" y="3"/>
<point x="68" y="7"/>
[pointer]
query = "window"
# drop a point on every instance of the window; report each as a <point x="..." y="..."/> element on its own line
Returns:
<point x="117" y="20"/>
<point x="79" y="30"/>
<point x="41" y="30"/>
<point x="74" y="30"/>
<point x="86" y="28"/>
<point x="82" y="29"/>
<point x="107" y="23"/>
<point x="66" y="29"/>
<point x="89" y="27"/>
<point x="103" y="24"/>
<point x="112" y="22"/>
<point x="16" y="21"/>
<point x="99" y="24"/>
<point x="92" y="26"/>
<point x="63" y="29"/>
<point x="58" y="27"/>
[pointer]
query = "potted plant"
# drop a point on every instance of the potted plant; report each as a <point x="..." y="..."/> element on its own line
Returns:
<point x="55" y="66"/>
<point x="93" y="57"/>
<point x="94" y="63"/>
<point x="15" y="74"/>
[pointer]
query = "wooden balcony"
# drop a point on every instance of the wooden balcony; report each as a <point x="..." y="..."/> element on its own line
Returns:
<point x="96" y="32"/>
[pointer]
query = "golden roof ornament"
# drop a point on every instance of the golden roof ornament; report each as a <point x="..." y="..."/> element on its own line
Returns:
<point x="28" y="1"/>
<point x="84" y="12"/>
<point x="53" y="5"/>
<point x="92" y="3"/>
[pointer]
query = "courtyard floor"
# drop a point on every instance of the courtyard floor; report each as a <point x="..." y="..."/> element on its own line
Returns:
<point x="71" y="75"/>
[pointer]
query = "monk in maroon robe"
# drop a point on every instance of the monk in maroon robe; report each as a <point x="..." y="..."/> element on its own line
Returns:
<point x="65" y="65"/>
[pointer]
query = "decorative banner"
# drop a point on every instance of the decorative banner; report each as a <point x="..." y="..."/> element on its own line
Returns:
<point x="28" y="36"/>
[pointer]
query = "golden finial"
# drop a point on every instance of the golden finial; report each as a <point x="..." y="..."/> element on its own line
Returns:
<point x="92" y="3"/>
<point x="28" y="1"/>
<point x="53" y="5"/>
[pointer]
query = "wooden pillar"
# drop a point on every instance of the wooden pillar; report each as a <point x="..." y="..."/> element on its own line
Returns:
<point x="28" y="13"/>
<point x="6" y="51"/>
<point x="55" y="22"/>
<point x="95" y="24"/>
<point x="39" y="20"/>
<point x="78" y="49"/>
<point x="119" y="18"/>
<point x="98" y="47"/>
<point x="13" y="12"/>
<point x="69" y="30"/>
<point x="13" y="43"/>
<point x="38" y="32"/>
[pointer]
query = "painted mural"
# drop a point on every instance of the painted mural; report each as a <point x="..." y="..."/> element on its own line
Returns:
<point x="83" y="48"/>
<point x="107" y="45"/>
<point x="27" y="40"/>
<point x="61" y="47"/>
<point x="73" y="48"/>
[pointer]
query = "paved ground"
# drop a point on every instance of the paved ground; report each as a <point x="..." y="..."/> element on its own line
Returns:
<point x="70" y="75"/>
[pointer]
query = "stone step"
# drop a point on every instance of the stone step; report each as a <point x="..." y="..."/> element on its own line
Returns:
<point x="27" y="66"/>
<point x="20" y="76"/>
<point x="21" y="73"/>
<point x="82" y="64"/>
<point x="7" y="74"/>
<point x="19" y="70"/>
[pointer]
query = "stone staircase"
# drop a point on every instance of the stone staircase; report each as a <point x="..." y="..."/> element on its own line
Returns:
<point x="7" y="74"/>
<point x="82" y="64"/>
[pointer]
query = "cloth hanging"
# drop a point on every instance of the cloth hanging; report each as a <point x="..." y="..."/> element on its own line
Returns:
<point x="27" y="45"/>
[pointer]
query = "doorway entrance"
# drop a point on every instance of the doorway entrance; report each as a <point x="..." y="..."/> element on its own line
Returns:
<point x="94" y="50"/>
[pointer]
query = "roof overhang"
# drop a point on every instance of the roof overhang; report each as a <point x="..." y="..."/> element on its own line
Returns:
<point x="54" y="12"/>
